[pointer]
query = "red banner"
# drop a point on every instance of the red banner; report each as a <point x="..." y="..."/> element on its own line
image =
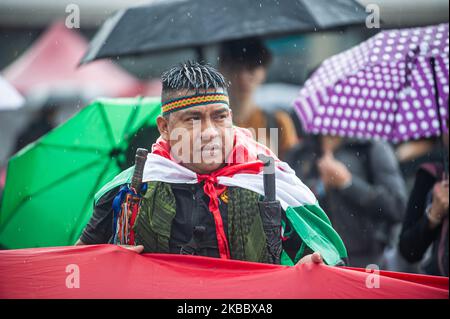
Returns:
<point x="106" y="271"/>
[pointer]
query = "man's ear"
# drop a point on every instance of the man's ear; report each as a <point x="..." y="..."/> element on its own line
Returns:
<point x="163" y="127"/>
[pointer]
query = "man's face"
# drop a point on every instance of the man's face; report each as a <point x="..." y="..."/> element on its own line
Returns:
<point x="200" y="137"/>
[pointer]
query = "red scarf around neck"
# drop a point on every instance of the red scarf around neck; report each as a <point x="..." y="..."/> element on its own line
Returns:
<point x="241" y="160"/>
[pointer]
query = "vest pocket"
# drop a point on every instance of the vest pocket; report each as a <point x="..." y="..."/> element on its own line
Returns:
<point x="256" y="244"/>
<point x="154" y="222"/>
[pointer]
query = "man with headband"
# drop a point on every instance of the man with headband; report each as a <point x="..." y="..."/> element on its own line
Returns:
<point x="204" y="182"/>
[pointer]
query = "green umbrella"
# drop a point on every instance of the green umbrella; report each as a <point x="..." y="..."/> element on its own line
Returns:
<point x="50" y="184"/>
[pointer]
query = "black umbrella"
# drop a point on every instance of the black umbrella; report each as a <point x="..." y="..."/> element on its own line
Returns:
<point x="173" y="24"/>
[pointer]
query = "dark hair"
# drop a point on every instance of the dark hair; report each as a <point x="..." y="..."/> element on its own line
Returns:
<point x="249" y="53"/>
<point x="191" y="76"/>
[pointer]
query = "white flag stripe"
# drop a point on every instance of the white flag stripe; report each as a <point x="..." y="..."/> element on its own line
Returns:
<point x="290" y="189"/>
<point x="158" y="168"/>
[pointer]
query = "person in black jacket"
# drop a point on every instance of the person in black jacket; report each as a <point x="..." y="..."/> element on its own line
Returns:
<point x="360" y="186"/>
<point x="426" y="221"/>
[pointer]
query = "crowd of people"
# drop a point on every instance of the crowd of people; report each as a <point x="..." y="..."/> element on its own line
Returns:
<point x="389" y="203"/>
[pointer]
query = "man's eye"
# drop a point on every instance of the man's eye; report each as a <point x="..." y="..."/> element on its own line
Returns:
<point x="193" y="118"/>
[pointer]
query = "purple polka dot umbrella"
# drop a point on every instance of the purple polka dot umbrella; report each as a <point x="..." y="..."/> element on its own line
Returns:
<point x="383" y="88"/>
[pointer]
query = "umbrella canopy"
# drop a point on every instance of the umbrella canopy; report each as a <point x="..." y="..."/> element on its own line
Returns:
<point x="51" y="64"/>
<point x="383" y="88"/>
<point x="174" y="24"/>
<point x="50" y="184"/>
<point x="10" y="99"/>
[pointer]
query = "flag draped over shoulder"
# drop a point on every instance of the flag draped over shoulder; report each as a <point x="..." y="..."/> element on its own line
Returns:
<point x="109" y="271"/>
<point x="244" y="170"/>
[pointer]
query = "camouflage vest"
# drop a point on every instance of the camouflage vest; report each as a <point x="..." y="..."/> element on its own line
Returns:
<point x="246" y="235"/>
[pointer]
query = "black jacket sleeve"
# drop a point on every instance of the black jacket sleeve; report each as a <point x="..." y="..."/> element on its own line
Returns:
<point x="416" y="235"/>
<point x="99" y="228"/>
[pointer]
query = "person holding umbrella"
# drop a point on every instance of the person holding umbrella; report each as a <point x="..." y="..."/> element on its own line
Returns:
<point x="392" y="87"/>
<point x="245" y="63"/>
<point x="426" y="219"/>
<point x="360" y="185"/>
<point x="202" y="187"/>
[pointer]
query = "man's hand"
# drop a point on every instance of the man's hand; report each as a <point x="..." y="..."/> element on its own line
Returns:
<point x="138" y="249"/>
<point x="439" y="205"/>
<point x="314" y="258"/>
<point x="333" y="173"/>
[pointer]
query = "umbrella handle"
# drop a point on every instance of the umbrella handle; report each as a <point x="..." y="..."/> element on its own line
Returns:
<point x="270" y="210"/>
<point x="141" y="158"/>
<point x="269" y="177"/>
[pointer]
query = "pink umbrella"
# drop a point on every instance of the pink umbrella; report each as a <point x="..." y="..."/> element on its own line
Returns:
<point x="51" y="63"/>
<point x="382" y="88"/>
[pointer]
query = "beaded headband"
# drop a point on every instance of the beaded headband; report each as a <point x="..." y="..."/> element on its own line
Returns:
<point x="194" y="100"/>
